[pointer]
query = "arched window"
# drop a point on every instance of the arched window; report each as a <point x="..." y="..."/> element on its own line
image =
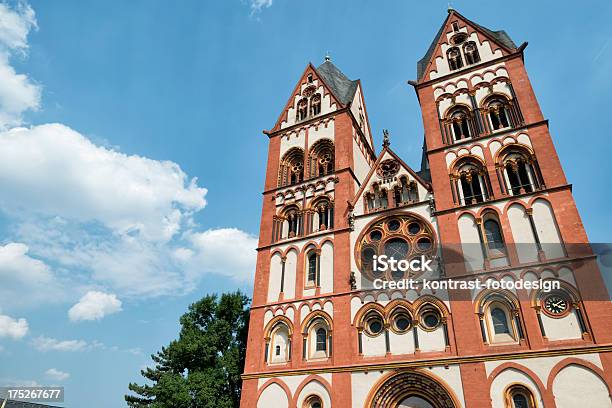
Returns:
<point x="315" y="104"/>
<point x="460" y="123"/>
<point x="519" y="396"/>
<point x="471" y="53"/>
<point x="291" y="169"/>
<point x="312" y="269"/>
<point x="520" y="170"/>
<point x="322" y="158"/>
<point x="405" y="192"/>
<point x="498" y="112"/>
<point x="323" y="217"/>
<point x="454" y="58"/>
<point x="292" y="224"/>
<point x="302" y="109"/>
<point x="500" y="322"/>
<point x="471" y="182"/>
<point x="317" y="339"/>
<point x="377" y="199"/>
<point x="278" y="344"/>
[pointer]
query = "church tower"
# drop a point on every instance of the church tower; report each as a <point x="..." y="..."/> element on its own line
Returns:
<point x="489" y="204"/>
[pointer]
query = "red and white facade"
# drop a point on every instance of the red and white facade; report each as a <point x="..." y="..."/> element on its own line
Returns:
<point x="490" y="201"/>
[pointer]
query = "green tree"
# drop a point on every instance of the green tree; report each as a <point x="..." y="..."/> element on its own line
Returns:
<point x="202" y="368"/>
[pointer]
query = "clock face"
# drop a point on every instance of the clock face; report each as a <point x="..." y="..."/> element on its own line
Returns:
<point x="556" y="304"/>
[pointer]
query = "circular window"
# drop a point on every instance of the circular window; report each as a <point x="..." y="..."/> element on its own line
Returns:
<point x="459" y="38"/>
<point x="424" y="244"/>
<point x="376" y="235"/>
<point x="431" y="320"/>
<point x="394" y="225"/>
<point x="556" y="304"/>
<point x="414" y="228"/>
<point x="401" y="322"/>
<point x="401" y="236"/>
<point x="374" y="325"/>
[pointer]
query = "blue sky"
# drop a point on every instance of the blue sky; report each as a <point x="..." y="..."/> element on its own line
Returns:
<point x="132" y="158"/>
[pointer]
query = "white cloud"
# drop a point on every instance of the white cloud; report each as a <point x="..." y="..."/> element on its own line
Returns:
<point x="15" y="25"/>
<point x="258" y="5"/>
<point x="43" y="343"/>
<point x="92" y="218"/>
<point x="224" y="251"/>
<point x="94" y="306"/>
<point x="56" y="374"/>
<point x="13" y="328"/>
<point x="79" y="180"/>
<point x="25" y="280"/>
<point x="17" y="92"/>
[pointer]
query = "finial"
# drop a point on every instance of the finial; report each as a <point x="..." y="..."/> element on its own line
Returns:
<point x="386" y="141"/>
<point x="450" y="6"/>
<point x="327" y="56"/>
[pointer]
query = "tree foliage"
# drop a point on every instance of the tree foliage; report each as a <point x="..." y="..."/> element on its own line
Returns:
<point x="201" y="369"/>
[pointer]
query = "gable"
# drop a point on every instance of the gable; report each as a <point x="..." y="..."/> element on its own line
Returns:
<point x="333" y="88"/>
<point x="457" y="31"/>
<point x="387" y="173"/>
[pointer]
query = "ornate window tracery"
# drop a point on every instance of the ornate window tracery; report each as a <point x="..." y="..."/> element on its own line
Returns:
<point x="291" y="169"/>
<point x="321" y="158"/>
<point x="402" y="236"/>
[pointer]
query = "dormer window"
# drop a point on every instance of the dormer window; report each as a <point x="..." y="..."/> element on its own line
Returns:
<point x="454" y="59"/>
<point x="471" y="53"/>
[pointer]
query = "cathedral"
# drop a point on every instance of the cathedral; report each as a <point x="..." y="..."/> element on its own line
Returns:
<point x="489" y="203"/>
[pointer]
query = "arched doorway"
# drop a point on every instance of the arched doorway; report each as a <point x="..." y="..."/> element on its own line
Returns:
<point x="411" y="389"/>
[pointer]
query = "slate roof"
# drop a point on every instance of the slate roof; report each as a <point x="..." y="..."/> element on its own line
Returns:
<point x="20" y="404"/>
<point x="342" y="87"/>
<point x="500" y="36"/>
